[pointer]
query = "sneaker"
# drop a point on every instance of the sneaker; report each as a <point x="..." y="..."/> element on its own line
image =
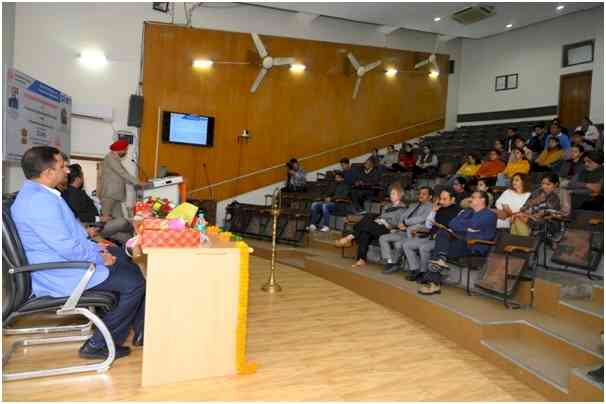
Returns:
<point x="90" y="352"/>
<point x="429" y="289"/>
<point x="391" y="268"/>
<point x="312" y="227"/>
<point x="439" y="263"/>
<point x="325" y="229"/>
<point x="413" y="276"/>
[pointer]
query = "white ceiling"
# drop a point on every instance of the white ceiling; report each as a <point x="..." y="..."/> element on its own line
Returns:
<point x="420" y="16"/>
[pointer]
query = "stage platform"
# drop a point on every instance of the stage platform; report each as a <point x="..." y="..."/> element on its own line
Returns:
<point x="549" y="346"/>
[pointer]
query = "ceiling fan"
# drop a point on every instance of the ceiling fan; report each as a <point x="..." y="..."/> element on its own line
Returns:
<point x="432" y="58"/>
<point x="360" y="71"/>
<point x="267" y="61"/>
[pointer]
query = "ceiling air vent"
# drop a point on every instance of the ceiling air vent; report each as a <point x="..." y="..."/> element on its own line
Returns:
<point x="470" y="15"/>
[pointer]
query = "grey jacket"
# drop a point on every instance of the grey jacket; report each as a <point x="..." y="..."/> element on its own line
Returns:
<point x="114" y="178"/>
<point x="416" y="218"/>
<point x="393" y="214"/>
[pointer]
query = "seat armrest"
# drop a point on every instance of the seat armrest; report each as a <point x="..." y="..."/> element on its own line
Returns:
<point x="595" y="221"/>
<point x="51" y="266"/>
<point x="476" y="241"/>
<point x="517" y="248"/>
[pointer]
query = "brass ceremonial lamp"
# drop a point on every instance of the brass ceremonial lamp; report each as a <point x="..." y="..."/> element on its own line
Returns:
<point x="272" y="286"/>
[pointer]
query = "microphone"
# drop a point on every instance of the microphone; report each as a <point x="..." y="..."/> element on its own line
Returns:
<point x="210" y="188"/>
<point x="140" y="169"/>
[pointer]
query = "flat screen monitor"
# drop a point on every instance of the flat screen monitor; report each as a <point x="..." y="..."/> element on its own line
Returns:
<point x="188" y="129"/>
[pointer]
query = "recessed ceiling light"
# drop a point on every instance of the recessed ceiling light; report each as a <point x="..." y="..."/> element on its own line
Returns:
<point x="391" y="72"/>
<point x="202" y="63"/>
<point x="434" y="74"/>
<point x="93" y="58"/>
<point x="297" y="68"/>
<point x="560" y="8"/>
<point x="508" y="25"/>
<point x="437" y="19"/>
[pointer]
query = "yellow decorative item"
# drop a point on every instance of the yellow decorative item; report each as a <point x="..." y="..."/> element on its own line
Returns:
<point x="213" y="230"/>
<point x="242" y="366"/>
<point x="185" y="211"/>
<point x="225" y="236"/>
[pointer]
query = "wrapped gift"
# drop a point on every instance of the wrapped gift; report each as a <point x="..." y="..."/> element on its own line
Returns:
<point x="155" y="224"/>
<point x="170" y="238"/>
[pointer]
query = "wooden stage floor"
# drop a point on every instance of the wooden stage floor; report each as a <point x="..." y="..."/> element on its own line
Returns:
<point x="313" y="341"/>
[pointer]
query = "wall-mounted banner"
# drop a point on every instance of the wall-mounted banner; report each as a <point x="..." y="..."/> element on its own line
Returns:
<point x="36" y="115"/>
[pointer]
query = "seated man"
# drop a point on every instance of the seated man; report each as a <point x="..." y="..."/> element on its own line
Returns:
<point x="418" y="248"/>
<point x="492" y="166"/>
<point x="412" y="218"/>
<point x="590" y="180"/>
<point x="364" y="182"/>
<point x="478" y="222"/>
<point x="321" y="211"/>
<point x="50" y="232"/>
<point x="348" y="172"/>
<point x="85" y="210"/>
<point x="295" y="180"/>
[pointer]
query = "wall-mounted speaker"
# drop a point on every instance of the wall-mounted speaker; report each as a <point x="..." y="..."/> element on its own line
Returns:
<point x="135" y="110"/>
<point x="451" y="66"/>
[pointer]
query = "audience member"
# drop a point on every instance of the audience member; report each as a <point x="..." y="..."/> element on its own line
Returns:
<point x="517" y="164"/>
<point x="590" y="181"/>
<point x="368" y="228"/>
<point x="469" y="168"/>
<point x="391" y="157"/>
<point x="50" y="232"/>
<point x="571" y="168"/>
<point x="500" y="147"/>
<point x="537" y="140"/>
<point x="590" y="132"/>
<point x="510" y="135"/>
<point x="86" y="212"/>
<point x="547" y="200"/>
<point x="492" y="166"/>
<point x="347" y="170"/>
<point x="427" y="162"/>
<point x="555" y="131"/>
<point x="459" y="190"/>
<point x="549" y="158"/>
<point x="578" y="139"/>
<point x="520" y="143"/>
<point x="295" y="180"/>
<point x="412" y="218"/>
<point x="478" y="223"/>
<point x="375" y="154"/>
<point x="321" y="211"/>
<point x="511" y="201"/>
<point x="419" y="246"/>
<point x="364" y="184"/>
<point x="407" y="159"/>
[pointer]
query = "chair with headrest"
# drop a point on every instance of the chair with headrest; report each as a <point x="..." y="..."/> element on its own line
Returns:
<point x="20" y="302"/>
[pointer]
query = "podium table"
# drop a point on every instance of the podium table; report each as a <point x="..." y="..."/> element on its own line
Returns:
<point x="195" y="314"/>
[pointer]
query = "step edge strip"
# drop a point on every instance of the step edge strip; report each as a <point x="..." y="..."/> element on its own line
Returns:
<point x="583" y="376"/>
<point x="582" y="310"/>
<point x="515" y="361"/>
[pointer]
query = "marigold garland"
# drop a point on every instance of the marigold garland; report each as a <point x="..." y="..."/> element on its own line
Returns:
<point x="243" y="366"/>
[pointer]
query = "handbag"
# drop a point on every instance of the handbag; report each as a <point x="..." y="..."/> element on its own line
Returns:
<point x="519" y="228"/>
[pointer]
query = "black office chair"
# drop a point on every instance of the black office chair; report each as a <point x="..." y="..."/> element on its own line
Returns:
<point x="19" y="302"/>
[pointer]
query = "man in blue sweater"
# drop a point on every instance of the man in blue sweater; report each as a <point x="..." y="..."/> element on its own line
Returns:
<point x="50" y="232"/>
<point x="476" y="223"/>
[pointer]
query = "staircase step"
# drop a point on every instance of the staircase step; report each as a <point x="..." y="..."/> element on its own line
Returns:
<point x="586" y="306"/>
<point x="541" y="353"/>
<point x="597" y="295"/>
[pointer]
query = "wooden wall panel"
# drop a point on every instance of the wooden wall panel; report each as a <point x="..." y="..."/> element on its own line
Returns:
<point x="290" y="115"/>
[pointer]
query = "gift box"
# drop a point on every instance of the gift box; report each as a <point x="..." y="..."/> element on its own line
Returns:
<point x="170" y="238"/>
<point x="155" y="224"/>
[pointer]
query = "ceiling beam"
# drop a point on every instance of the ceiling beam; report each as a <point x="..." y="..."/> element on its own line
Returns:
<point x="387" y="29"/>
<point x="306" y="18"/>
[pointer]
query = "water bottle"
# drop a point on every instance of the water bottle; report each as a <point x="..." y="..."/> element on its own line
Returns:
<point x="201" y="223"/>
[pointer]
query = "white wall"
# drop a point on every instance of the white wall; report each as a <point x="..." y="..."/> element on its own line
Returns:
<point x="8" y="51"/>
<point x="535" y="53"/>
<point x="49" y="37"/>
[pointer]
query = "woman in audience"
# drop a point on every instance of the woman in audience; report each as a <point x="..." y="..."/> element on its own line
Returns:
<point x="427" y="162"/>
<point x="478" y="223"/>
<point x="459" y="190"/>
<point x="549" y="158"/>
<point x="572" y="167"/>
<point x="369" y="229"/>
<point x="321" y="210"/>
<point x="492" y="166"/>
<point x="295" y="181"/>
<point x="517" y="164"/>
<point x="407" y="159"/>
<point x="511" y="201"/>
<point x="589" y="130"/>
<point x="481" y="185"/>
<point x="468" y="169"/>
<point x="549" y="199"/>
<point x="364" y="182"/>
<point x="519" y="143"/>
<point x="536" y="143"/>
<point x="391" y="157"/>
<point x="578" y="138"/>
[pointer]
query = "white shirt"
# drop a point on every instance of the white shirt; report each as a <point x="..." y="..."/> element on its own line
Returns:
<point x="515" y="202"/>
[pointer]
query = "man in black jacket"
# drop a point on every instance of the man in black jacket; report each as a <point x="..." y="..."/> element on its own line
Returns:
<point x="365" y="184"/>
<point x="337" y="191"/>
<point x="86" y="212"/>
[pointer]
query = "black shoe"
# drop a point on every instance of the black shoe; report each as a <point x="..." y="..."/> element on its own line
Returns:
<point x="89" y="352"/>
<point x="413" y="276"/>
<point x="138" y="338"/>
<point x="597" y="374"/>
<point x="391" y="268"/>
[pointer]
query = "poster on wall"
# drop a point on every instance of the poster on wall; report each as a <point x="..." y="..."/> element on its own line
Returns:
<point x="36" y="115"/>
